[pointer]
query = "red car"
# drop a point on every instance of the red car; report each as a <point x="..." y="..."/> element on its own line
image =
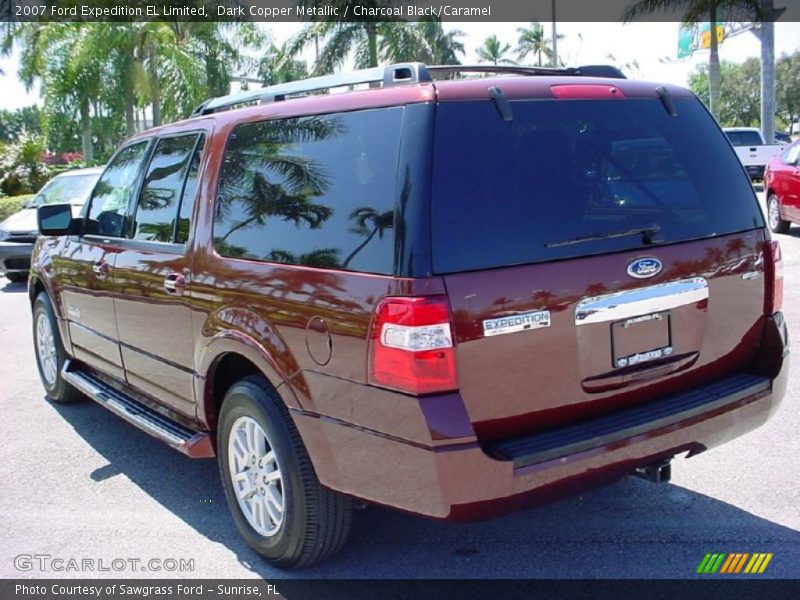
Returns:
<point x="782" y="184"/>
<point x="452" y="297"/>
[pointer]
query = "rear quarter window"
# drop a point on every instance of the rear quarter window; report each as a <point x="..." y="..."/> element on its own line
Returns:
<point x="527" y="190"/>
<point x="316" y="191"/>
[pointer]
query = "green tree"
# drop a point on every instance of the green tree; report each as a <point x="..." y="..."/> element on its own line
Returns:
<point x="494" y="51"/>
<point x="277" y="66"/>
<point x="695" y="11"/>
<point x="787" y="89"/>
<point x="532" y="41"/>
<point x="740" y="102"/>
<point x="21" y="168"/>
<point x="13" y="123"/>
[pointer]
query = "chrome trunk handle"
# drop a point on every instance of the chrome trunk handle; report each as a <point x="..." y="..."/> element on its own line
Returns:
<point x="641" y="301"/>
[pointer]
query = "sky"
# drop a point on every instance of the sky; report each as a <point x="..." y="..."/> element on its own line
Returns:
<point x="653" y="45"/>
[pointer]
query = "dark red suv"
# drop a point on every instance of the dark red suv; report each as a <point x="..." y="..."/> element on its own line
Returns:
<point x="452" y="297"/>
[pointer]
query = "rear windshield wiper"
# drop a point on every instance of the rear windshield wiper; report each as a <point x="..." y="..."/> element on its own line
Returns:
<point x="648" y="233"/>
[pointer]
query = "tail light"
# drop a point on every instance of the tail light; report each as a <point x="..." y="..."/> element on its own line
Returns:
<point x="411" y="346"/>
<point x="773" y="271"/>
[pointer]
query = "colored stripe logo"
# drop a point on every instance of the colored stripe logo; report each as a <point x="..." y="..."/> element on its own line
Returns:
<point x="737" y="562"/>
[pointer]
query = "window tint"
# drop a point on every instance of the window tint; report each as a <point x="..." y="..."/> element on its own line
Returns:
<point x="111" y="195"/>
<point x="189" y="193"/>
<point x="316" y="191"/>
<point x="744" y="138"/>
<point x="161" y="191"/>
<point x="528" y="189"/>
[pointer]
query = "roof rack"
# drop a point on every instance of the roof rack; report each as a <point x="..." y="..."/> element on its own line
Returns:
<point x="402" y="73"/>
<point x="387" y="76"/>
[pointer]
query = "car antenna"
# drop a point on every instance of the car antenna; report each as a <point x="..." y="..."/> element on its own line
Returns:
<point x="502" y="103"/>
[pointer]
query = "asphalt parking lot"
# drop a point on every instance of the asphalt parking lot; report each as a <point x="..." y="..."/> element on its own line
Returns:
<point x="77" y="482"/>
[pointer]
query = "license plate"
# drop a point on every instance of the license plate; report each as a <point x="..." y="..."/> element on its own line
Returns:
<point x="641" y="339"/>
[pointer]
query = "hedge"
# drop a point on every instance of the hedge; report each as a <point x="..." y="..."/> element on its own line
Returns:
<point x="8" y="206"/>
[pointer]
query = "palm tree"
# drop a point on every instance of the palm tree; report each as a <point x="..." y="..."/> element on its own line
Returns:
<point x="532" y="40"/>
<point x="368" y="223"/>
<point x="281" y="182"/>
<point x="494" y="51"/>
<point x="444" y="47"/>
<point x="424" y="41"/>
<point x="695" y="11"/>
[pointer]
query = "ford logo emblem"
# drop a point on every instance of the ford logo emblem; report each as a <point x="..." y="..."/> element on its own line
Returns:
<point x="642" y="268"/>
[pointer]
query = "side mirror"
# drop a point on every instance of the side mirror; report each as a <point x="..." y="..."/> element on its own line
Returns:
<point x="56" y="219"/>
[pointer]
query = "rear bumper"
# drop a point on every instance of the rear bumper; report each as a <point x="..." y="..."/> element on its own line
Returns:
<point x="15" y="257"/>
<point x="465" y="481"/>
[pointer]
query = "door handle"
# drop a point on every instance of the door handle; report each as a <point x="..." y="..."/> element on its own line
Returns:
<point x="100" y="269"/>
<point x="175" y="283"/>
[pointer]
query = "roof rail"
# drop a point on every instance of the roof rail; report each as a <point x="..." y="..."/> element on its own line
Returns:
<point x="388" y="76"/>
<point x="392" y="75"/>
<point x="584" y="71"/>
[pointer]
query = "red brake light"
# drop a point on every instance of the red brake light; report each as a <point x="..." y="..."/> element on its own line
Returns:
<point x="411" y="346"/>
<point x="773" y="271"/>
<point x="591" y="91"/>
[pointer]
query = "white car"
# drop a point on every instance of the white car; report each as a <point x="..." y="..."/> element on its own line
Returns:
<point x="19" y="231"/>
<point x="751" y="149"/>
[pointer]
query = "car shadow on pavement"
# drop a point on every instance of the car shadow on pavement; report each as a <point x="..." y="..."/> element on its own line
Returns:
<point x="8" y="287"/>
<point x="630" y="529"/>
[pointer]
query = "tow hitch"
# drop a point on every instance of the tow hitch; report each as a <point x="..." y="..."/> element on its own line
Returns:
<point x="659" y="472"/>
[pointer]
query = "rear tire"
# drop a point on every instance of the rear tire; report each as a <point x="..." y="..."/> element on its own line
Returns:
<point x="50" y="353"/>
<point x="276" y="500"/>
<point x="776" y="224"/>
<point x="17" y="277"/>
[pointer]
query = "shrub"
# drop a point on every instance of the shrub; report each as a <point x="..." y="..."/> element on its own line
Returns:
<point x="8" y="206"/>
<point x="21" y="166"/>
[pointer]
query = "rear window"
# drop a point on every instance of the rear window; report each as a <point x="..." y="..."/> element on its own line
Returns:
<point x="567" y="178"/>
<point x="744" y="138"/>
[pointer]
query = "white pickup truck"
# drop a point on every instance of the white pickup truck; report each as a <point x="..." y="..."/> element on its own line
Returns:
<point x="751" y="149"/>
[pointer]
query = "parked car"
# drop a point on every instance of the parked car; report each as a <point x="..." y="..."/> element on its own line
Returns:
<point x="19" y="231"/>
<point x="783" y="138"/>
<point x="455" y="298"/>
<point x="782" y="185"/>
<point x="752" y="150"/>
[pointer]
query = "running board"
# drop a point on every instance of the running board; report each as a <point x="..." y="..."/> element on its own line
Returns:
<point x="195" y="444"/>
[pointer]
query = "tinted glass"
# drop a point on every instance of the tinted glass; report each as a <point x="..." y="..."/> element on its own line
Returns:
<point x="744" y="138"/>
<point x="316" y="191"/>
<point x="66" y="189"/>
<point x="520" y="191"/>
<point x="189" y="193"/>
<point x="159" y="200"/>
<point x="112" y="193"/>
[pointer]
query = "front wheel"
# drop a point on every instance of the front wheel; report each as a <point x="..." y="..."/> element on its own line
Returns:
<point x="277" y="502"/>
<point x="50" y="353"/>
<point x="776" y="224"/>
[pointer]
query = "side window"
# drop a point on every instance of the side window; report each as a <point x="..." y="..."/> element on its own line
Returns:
<point x="109" y="202"/>
<point x="316" y="191"/>
<point x="189" y="194"/>
<point x="160" y="199"/>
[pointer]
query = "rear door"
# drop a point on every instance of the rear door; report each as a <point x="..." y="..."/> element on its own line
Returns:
<point x="152" y="274"/>
<point x="596" y="253"/>
<point x="84" y="268"/>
